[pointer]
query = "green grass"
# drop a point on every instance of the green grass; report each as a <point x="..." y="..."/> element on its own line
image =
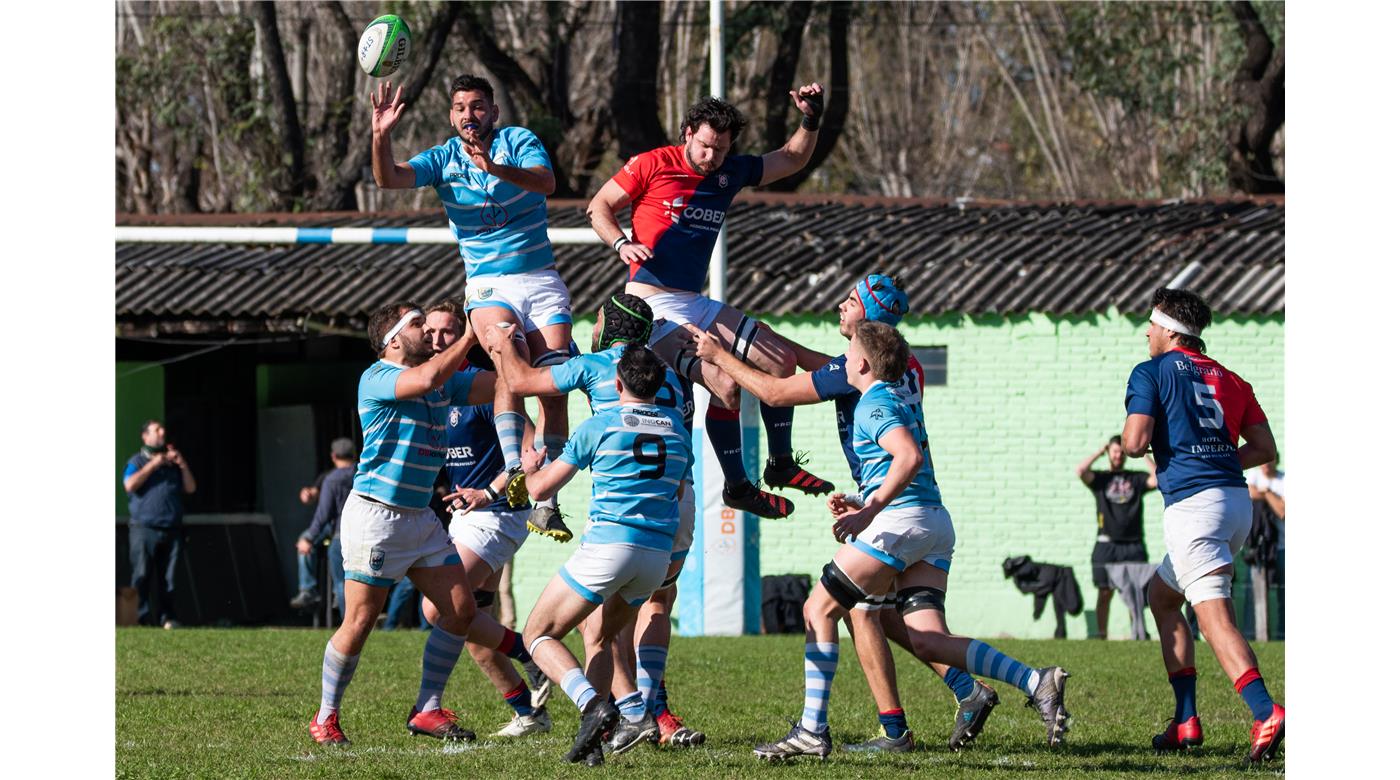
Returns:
<point x="235" y="703"/>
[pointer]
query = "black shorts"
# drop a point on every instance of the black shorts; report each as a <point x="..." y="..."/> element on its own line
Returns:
<point x="1115" y="552"/>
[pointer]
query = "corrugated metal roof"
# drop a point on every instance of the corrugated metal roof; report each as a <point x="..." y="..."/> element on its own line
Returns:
<point x="792" y="254"/>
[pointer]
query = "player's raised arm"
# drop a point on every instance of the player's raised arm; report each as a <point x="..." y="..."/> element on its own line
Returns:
<point x="519" y="376"/>
<point x="422" y="379"/>
<point x="602" y="215"/>
<point x="795" y="390"/>
<point x="797" y="152"/>
<point x="388" y="174"/>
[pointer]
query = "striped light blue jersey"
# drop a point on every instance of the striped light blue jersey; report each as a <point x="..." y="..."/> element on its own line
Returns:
<point x="500" y="228"/>
<point x="405" y="441"/>
<point x="881" y="409"/>
<point x="639" y="454"/>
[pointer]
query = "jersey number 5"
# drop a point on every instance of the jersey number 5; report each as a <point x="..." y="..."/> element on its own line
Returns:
<point x="1205" y="401"/>
<point x="656" y="461"/>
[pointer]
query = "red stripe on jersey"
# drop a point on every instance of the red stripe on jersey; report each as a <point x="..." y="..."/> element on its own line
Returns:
<point x="1235" y="396"/>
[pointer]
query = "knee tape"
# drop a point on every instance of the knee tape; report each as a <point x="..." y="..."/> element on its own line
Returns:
<point x="1208" y="588"/>
<point x="919" y="598"/>
<point x="744" y="336"/>
<point x="538" y="641"/>
<point x="552" y="357"/>
<point x="484" y="598"/>
<point x="877" y="602"/>
<point x="840" y="587"/>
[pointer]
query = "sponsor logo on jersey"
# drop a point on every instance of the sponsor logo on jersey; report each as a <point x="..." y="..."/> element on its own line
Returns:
<point x="672" y="209"/>
<point x="630" y="421"/>
<point x="454" y="453"/>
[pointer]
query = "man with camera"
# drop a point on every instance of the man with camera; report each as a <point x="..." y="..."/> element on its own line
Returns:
<point x="156" y="480"/>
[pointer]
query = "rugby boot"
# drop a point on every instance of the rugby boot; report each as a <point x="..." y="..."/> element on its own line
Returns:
<point x="537" y="722"/>
<point x="1266" y="736"/>
<point x="517" y="495"/>
<point x="328" y="733"/>
<point x="788" y="473"/>
<point x="306" y="600"/>
<point x="1049" y="701"/>
<point x="798" y="742"/>
<point x="1179" y="736"/>
<point x="599" y="716"/>
<point x="628" y="735"/>
<point x="538" y="683"/>
<point x="746" y="497"/>
<point x="882" y="743"/>
<point x="972" y="714"/>
<point x="548" y="520"/>
<point x="440" y="723"/>
<point x="594" y="757"/>
<point x="675" y="732"/>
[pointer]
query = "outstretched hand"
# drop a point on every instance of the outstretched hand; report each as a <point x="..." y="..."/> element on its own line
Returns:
<point x="706" y="345"/>
<point x="386" y="110"/>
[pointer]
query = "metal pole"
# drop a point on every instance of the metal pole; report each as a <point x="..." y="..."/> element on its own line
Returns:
<point x="719" y="256"/>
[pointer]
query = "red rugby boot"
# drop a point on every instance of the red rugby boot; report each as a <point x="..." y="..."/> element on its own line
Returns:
<point x="1266" y="737"/>
<point x="1180" y="736"/>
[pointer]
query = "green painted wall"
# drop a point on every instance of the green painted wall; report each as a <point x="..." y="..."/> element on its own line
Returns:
<point x="1027" y="398"/>
<point x="140" y="397"/>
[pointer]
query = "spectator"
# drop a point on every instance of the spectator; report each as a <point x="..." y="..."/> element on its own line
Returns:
<point x="1266" y="491"/>
<point x="156" y="480"/>
<point x="1119" y="493"/>
<point x="331" y="491"/>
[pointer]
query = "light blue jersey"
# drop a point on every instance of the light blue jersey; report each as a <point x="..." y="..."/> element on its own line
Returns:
<point x="639" y="453"/>
<point x="405" y="441"/>
<point x="881" y="408"/>
<point x="500" y="228"/>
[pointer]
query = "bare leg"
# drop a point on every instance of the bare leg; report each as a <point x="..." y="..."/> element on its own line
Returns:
<point x="1178" y="649"/>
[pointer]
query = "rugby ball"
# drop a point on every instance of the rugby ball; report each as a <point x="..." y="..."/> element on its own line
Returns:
<point x="384" y="46"/>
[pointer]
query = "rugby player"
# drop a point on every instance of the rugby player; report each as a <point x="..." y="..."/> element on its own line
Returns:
<point x="485" y="529"/>
<point x="387" y="528"/>
<point x="899" y="537"/>
<point x="637" y="680"/>
<point x="875" y="298"/>
<point x="493" y="182"/>
<point x="639" y="453"/>
<point x="1192" y="411"/>
<point x="679" y="196"/>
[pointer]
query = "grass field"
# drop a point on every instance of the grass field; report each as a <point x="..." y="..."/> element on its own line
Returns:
<point x="235" y="703"/>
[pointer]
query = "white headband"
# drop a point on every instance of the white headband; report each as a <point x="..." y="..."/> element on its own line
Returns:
<point x="402" y="323"/>
<point x="1167" y="321"/>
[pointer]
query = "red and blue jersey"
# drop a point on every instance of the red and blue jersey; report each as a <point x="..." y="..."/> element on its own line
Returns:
<point x="677" y="213"/>
<point x="1199" y="407"/>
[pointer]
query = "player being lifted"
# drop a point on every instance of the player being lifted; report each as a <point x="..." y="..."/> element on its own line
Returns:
<point x="1193" y="411"/>
<point x="898" y="537"/>
<point x="637" y="680"/>
<point x="639" y="453"/>
<point x="493" y="182"/>
<point x="875" y="298"/>
<point x="679" y="197"/>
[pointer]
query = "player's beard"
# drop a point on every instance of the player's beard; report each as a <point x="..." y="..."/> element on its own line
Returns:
<point x="695" y="167"/>
<point x="417" y="353"/>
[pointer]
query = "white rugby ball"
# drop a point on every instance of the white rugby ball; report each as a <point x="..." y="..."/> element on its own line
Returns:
<point x="384" y="46"/>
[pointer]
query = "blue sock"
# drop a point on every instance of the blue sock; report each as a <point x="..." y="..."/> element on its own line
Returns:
<point x="513" y="645"/>
<point x="577" y="688"/>
<point x="659" y="706"/>
<point x="336" y="671"/>
<point x="632" y="706"/>
<point x="510" y="429"/>
<point x="651" y="665"/>
<point x="894" y="723"/>
<point x="959" y="682"/>
<point x="1250" y="687"/>
<point x="440" y="654"/>
<point x="777" y="421"/>
<point x="988" y="661"/>
<point x="819" y="663"/>
<point x="519" y="699"/>
<point x="1184" y="686"/>
<point x="727" y="439"/>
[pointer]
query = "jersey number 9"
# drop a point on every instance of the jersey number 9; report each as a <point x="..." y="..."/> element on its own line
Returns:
<point x="656" y="461"/>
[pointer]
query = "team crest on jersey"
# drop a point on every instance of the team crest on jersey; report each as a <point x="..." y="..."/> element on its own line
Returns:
<point x="723" y="180"/>
<point x="877" y="414"/>
<point x="454" y="417"/>
<point x="485" y="292"/>
<point x="376" y="559"/>
<point x="492" y="214"/>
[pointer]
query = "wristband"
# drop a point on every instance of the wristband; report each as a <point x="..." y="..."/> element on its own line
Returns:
<point x="491" y="493"/>
<point x="810" y="123"/>
<point x="622" y="239"/>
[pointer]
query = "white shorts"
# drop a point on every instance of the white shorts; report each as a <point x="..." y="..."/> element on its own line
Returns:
<point x="904" y="536"/>
<point x="674" y="309"/>
<point x="494" y="535"/>
<point x="598" y="571"/>
<point x="685" y="532"/>
<point x="537" y="298"/>
<point x="1203" y="532"/>
<point x="381" y="542"/>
